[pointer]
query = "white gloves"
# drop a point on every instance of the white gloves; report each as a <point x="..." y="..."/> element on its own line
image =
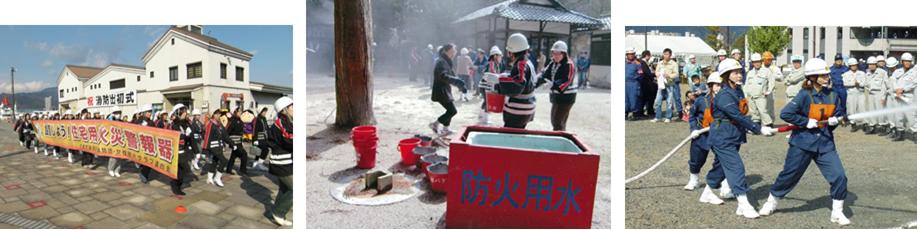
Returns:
<point x="187" y="131"/>
<point x="548" y="85"/>
<point x="144" y="123"/>
<point x="492" y="78"/>
<point x="255" y="143"/>
<point x="812" y="124"/>
<point x="234" y="147"/>
<point x="766" y="131"/>
<point x="695" y="134"/>
<point x="832" y="121"/>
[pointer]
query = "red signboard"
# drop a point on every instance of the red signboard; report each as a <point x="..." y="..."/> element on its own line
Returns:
<point x="501" y="187"/>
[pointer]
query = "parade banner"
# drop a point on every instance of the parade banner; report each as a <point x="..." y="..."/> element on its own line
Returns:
<point x="152" y="147"/>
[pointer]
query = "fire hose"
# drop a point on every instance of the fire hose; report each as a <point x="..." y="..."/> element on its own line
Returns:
<point x="780" y="130"/>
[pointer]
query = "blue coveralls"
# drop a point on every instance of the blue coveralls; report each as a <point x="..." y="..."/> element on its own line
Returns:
<point x="807" y="145"/>
<point x="633" y="73"/>
<point x="838" y="83"/>
<point x="700" y="148"/>
<point x="726" y="137"/>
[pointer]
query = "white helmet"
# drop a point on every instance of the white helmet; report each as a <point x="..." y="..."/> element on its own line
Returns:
<point x="756" y="57"/>
<point x="195" y="112"/>
<point x="177" y="107"/>
<point x="880" y="58"/>
<point x="116" y="109"/>
<point x="430" y="46"/>
<point x="93" y="111"/>
<point x="69" y="112"/>
<point x="797" y="58"/>
<point x="853" y="61"/>
<point x="145" y="108"/>
<point x="728" y="64"/>
<point x="517" y="43"/>
<point x="907" y="57"/>
<point x="714" y="78"/>
<point x="691" y="56"/>
<point x="495" y="50"/>
<point x="735" y="51"/>
<point x="817" y="66"/>
<point x="559" y="46"/>
<point x="464" y="51"/>
<point x="870" y="60"/>
<point x="721" y="52"/>
<point x="282" y="103"/>
<point x="892" y="62"/>
<point x="630" y="50"/>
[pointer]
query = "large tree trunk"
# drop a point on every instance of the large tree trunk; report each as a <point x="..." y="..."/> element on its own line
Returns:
<point x="353" y="63"/>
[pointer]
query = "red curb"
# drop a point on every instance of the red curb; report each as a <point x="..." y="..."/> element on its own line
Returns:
<point x="11" y="187"/>
<point x="37" y="204"/>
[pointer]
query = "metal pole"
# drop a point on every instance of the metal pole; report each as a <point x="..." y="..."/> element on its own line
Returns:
<point x="646" y="35"/>
<point x="13" y="87"/>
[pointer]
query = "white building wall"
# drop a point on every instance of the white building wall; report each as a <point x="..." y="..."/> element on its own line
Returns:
<point x="67" y="83"/>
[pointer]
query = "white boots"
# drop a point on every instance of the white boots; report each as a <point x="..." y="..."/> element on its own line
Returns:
<point x="260" y="165"/>
<point x="194" y="162"/>
<point x="692" y="183"/>
<point x="837" y="213"/>
<point x="70" y="157"/>
<point x="745" y="209"/>
<point x="725" y="191"/>
<point x="482" y="118"/>
<point x="36" y="149"/>
<point x="56" y="157"/>
<point x="709" y="197"/>
<point x="46" y="152"/>
<point x="769" y="207"/>
<point x="215" y="179"/>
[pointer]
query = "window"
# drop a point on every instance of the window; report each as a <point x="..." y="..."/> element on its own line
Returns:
<point x="61" y="93"/>
<point x="240" y="74"/>
<point x="138" y="78"/>
<point x="194" y="70"/>
<point x="151" y="74"/>
<point x="196" y="29"/>
<point x="222" y="70"/>
<point x="173" y="41"/>
<point x="805" y="33"/>
<point x="173" y="73"/>
<point x="116" y="84"/>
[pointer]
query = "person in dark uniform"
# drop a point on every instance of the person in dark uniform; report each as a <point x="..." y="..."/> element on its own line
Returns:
<point x="26" y="130"/>
<point x="234" y="130"/>
<point x="519" y="86"/>
<point x="444" y="76"/>
<point x="114" y="164"/>
<point x="56" y="149"/>
<point x="215" y="137"/>
<point x="493" y="66"/>
<point x="261" y="139"/>
<point x="648" y="87"/>
<point x="558" y="77"/>
<point x="183" y="126"/>
<point x="18" y="130"/>
<point x="86" y="161"/>
<point x="144" y="120"/>
<point x="281" y="142"/>
<point x="196" y="129"/>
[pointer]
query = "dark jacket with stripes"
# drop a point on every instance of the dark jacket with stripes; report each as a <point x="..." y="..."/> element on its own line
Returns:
<point x="281" y="142"/>
<point x="561" y="75"/>
<point x="214" y="134"/>
<point x="519" y="86"/>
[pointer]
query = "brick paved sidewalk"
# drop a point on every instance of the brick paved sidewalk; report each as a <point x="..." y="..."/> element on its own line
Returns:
<point x="41" y="189"/>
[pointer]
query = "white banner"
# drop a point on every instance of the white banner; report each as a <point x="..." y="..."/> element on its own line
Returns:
<point x="128" y="97"/>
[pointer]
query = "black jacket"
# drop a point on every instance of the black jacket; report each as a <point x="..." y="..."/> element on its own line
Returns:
<point x="185" y="141"/>
<point x="561" y="74"/>
<point x="196" y="134"/>
<point x="443" y="76"/>
<point x="234" y="129"/>
<point x="260" y="129"/>
<point x="281" y="142"/>
<point x="214" y="134"/>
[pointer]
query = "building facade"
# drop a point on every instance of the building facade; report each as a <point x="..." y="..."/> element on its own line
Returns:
<point x="183" y="66"/>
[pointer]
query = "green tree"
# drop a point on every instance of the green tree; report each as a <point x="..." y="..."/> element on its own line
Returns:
<point x="711" y="33"/>
<point x="768" y="38"/>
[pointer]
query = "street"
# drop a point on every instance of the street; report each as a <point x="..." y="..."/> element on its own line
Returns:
<point x="403" y="109"/>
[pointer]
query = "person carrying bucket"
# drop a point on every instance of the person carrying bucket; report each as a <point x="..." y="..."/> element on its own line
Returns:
<point x="444" y="77"/>
<point x="519" y="86"/>
<point x="494" y="66"/>
<point x="727" y="134"/>
<point x="700" y="118"/>
<point x="557" y="77"/>
<point x="815" y="102"/>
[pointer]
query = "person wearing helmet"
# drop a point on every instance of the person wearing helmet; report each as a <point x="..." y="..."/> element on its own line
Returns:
<point x="880" y="63"/>
<point x="27" y="131"/>
<point x="17" y="128"/>
<point x="691" y="70"/>
<point x="114" y="163"/>
<point x="727" y="134"/>
<point x="463" y="69"/>
<point x="904" y="92"/>
<point x="445" y="76"/>
<point x="721" y="55"/>
<point x="815" y="142"/>
<point x="558" y="77"/>
<point x="261" y="139"/>
<point x="116" y="114"/>
<point x="854" y="80"/>
<point x="183" y="126"/>
<point x="874" y="85"/>
<point x="494" y="65"/>
<point x="666" y="73"/>
<point x="68" y="115"/>
<point x="633" y="75"/>
<point x="215" y="137"/>
<point x="196" y="131"/>
<point x="35" y="142"/>
<point x="234" y="130"/>
<point x="795" y="78"/>
<point x="896" y="122"/>
<point x="86" y="161"/>
<point x="56" y="149"/>
<point x="699" y="118"/>
<point x="143" y="119"/>
<point x="281" y="142"/>
<point x="759" y="90"/>
<point x="736" y="54"/>
<point x="837" y="79"/>
<point x="519" y="86"/>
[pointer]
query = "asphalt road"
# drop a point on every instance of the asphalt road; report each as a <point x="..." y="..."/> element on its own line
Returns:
<point x="880" y="176"/>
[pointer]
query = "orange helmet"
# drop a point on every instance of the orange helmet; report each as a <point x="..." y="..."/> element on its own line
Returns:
<point x="768" y="55"/>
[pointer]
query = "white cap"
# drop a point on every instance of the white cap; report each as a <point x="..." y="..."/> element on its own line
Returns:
<point x="853" y="61"/>
<point x="735" y="51"/>
<point x="797" y="58"/>
<point x="464" y="51"/>
<point x="756" y="57"/>
<point x="630" y="50"/>
<point x="495" y="50"/>
<point x="870" y="60"/>
<point x="691" y="56"/>
<point x="817" y="66"/>
<point x="721" y="52"/>
<point x="714" y="78"/>
<point x="195" y="112"/>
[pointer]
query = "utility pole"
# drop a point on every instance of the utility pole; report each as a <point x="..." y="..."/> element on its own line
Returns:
<point x="13" y="87"/>
<point x="646" y="35"/>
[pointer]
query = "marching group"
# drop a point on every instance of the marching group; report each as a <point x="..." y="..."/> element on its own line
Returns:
<point x="198" y="142"/>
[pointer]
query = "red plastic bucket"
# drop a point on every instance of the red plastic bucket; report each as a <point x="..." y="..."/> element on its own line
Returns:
<point x="431" y="159"/>
<point x="364" y="142"/>
<point x="425" y="141"/>
<point x="421" y="151"/>
<point x="406" y="147"/>
<point x="438" y="173"/>
<point x="364" y="130"/>
<point x="495" y="103"/>
<point x="366" y="158"/>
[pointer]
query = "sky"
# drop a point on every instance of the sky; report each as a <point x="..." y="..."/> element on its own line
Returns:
<point x="39" y="53"/>
<point x="682" y="29"/>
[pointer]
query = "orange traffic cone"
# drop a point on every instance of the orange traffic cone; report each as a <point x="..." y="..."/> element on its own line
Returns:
<point x="181" y="209"/>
